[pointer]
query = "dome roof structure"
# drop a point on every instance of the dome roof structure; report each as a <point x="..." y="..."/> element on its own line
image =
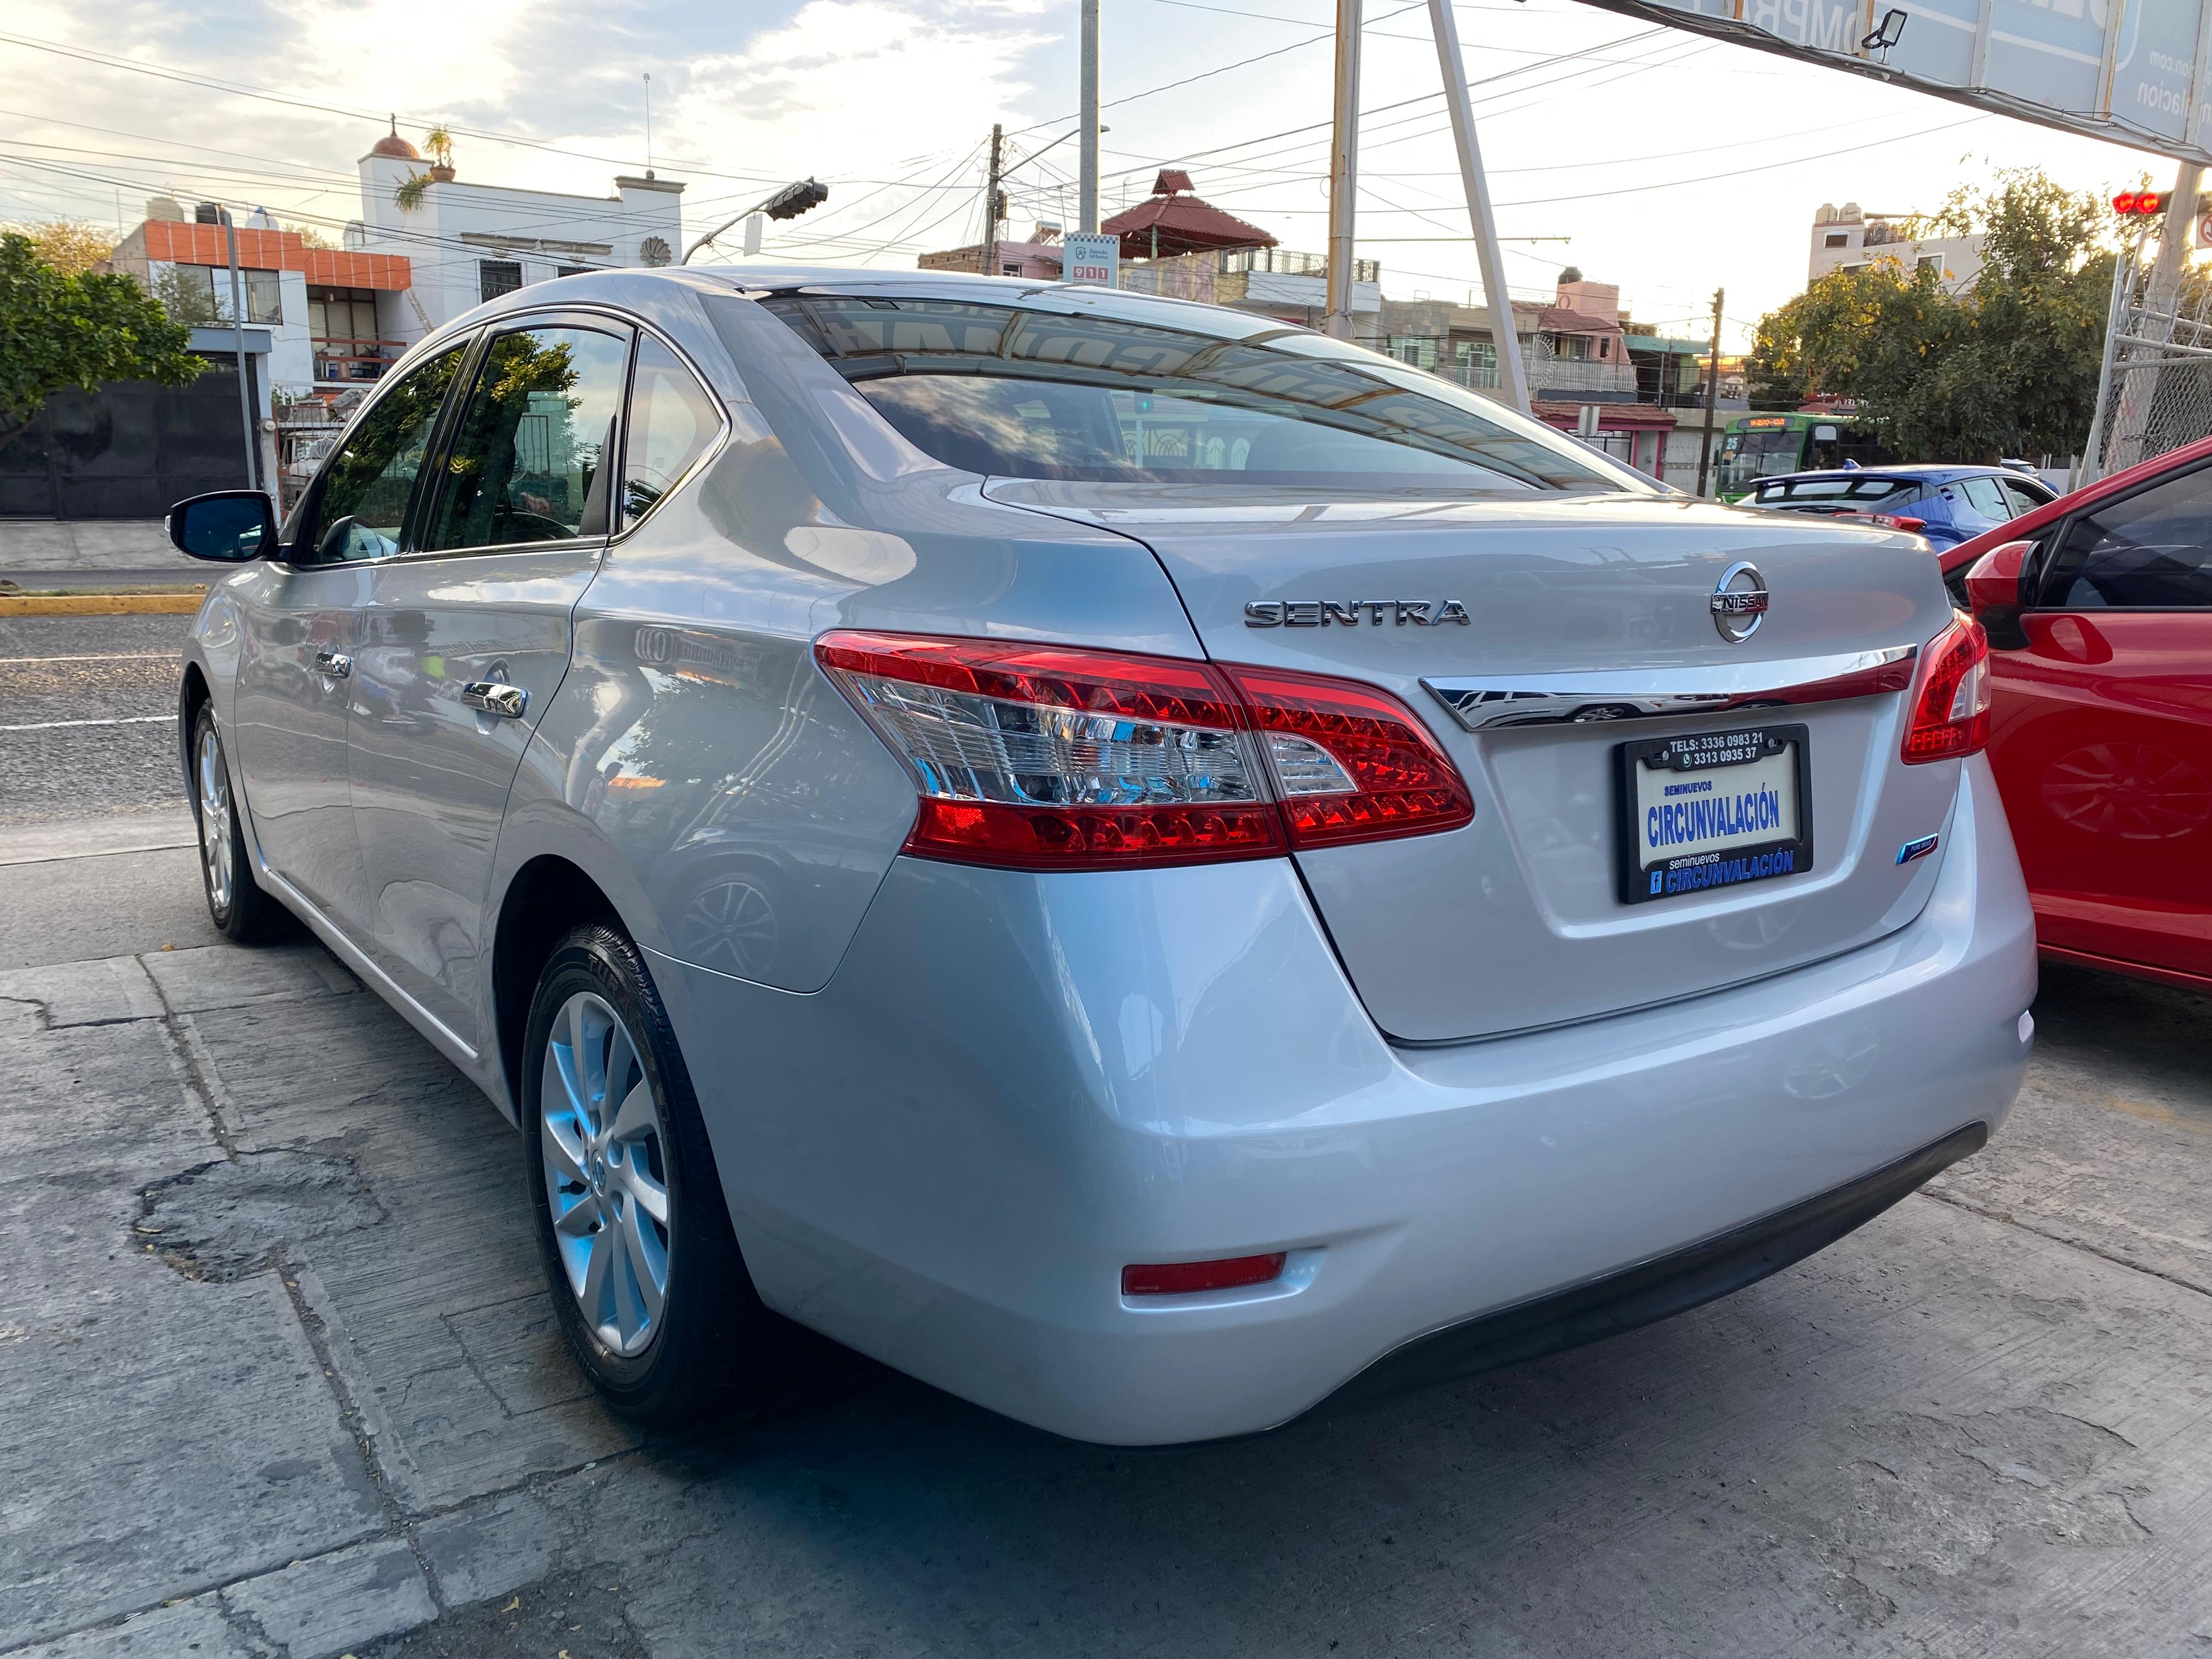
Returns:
<point x="393" y="145"/>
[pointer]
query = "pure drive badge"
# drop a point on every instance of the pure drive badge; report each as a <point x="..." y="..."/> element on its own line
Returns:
<point x="1353" y="613"/>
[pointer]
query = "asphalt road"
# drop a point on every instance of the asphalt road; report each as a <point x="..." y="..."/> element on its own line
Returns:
<point x="278" y="1376"/>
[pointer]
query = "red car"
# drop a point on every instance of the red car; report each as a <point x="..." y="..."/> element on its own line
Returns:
<point x="2099" y="609"/>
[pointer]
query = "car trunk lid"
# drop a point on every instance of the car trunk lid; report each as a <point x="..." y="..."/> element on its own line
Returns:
<point x="1535" y="637"/>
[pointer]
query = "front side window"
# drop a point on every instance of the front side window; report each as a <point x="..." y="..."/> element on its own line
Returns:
<point x="2149" y="551"/>
<point x="999" y="389"/>
<point x="528" y="451"/>
<point x="2024" y="497"/>
<point x="367" y="486"/>
<point x="671" y="422"/>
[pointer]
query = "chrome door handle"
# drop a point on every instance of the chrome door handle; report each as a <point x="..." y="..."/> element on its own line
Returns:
<point x="495" y="697"/>
<point x="336" y="664"/>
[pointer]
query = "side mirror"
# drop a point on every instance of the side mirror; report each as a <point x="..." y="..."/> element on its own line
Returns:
<point x="1994" y="595"/>
<point x="229" y="526"/>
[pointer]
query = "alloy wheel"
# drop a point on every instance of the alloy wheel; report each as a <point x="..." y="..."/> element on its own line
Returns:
<point x="216" y="832"/>
<point x="604" y="1150"/>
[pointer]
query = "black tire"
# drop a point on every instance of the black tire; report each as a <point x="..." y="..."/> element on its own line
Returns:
<point x="714" y="1335"/>
<point x="239" y="907"/>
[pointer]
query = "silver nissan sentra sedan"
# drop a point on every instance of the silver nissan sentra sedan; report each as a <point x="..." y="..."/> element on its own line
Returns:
<point x="1142" y="865"/>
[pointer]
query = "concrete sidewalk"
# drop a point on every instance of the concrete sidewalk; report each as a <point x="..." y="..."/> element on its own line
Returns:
<point x="52" y="547"/>
<point x="283" y="1381"/>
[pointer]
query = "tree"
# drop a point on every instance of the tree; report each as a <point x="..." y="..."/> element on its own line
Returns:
<point x="59" y="329"/>
<point x="70" y="246"/>
<point x="2008" y="367"/>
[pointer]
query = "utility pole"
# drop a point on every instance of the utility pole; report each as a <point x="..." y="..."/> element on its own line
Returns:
<point x="990" y="248"/>
<point x="1086" y="208"/>
<point x="1343" y="170"/>
<point x="1712" y="392"/>
<point x="1511" y="378"/>
<point x="237" y="328"/>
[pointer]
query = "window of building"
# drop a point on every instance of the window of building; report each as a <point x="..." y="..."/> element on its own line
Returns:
<point x="574" y="270"/>
<point x="263" y="301"/>
<point x="1932" y="262"/>
<point x="1010" y="269"/>
<point x="497" y="276"/>
<point x="1836" y="239"/>
<point x="1417" y="350"/>
<point x="343" y="333"/>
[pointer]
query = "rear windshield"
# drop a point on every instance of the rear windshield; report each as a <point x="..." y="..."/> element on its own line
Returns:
<point x="1857" y="492"/>
<point x="1030" y="394"/>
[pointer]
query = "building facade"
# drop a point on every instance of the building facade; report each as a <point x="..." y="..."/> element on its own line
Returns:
<point x="1845" y="238"/>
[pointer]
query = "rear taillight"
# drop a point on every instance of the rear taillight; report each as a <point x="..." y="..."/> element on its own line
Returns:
<point x="1351" y="762"/>
<point x="1045" y="756"/>
<point x="1950" y="706"/>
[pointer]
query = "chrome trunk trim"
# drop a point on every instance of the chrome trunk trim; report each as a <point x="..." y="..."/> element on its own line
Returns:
<point x="1484" y="704"/>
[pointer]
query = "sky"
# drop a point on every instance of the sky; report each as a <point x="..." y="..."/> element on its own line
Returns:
<point x="1653" y="159"/>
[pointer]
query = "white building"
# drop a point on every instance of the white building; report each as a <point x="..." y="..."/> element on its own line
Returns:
<point x="467" y="242"/>
<point x="337" y="318"/>
<point x="1843" y="239"/>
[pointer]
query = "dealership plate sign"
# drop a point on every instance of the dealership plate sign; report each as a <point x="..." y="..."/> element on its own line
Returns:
<point x="2129" y="71"/>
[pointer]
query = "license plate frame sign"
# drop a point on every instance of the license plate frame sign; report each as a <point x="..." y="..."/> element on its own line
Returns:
<point x="1708" y="810"/>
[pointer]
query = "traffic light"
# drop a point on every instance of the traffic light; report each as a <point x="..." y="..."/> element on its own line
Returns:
<point x="2140" y="204"/>
<point x="794" y="199"/>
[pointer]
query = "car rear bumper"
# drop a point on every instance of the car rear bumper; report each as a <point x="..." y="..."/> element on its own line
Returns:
<point x="1017" y="1084"/>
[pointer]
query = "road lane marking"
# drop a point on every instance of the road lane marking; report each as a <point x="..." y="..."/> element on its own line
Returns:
<point x="101" y="656"/>
<point x="120" y="719"/>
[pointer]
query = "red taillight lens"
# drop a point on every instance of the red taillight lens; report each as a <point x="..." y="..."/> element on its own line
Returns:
<point x="1045" y="756"/>
<point x="1183" y="1278"/>
<point x="1951" y="696"/>
<point x="1351" y="762"/>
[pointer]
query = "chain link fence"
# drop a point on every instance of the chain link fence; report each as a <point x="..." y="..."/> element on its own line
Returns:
<point x="2156" y="393"/>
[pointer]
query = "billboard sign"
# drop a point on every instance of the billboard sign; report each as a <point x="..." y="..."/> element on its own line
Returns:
<point x="2129" y="71"/>
<point x="1096" y="261"/>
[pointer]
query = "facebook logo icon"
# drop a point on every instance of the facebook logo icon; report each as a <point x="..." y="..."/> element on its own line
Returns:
<point x="1658" y="877"/>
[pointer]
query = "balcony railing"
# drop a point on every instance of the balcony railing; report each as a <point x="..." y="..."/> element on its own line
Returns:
<point x="343" y="361"/>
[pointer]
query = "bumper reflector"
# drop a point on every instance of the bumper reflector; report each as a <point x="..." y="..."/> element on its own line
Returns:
<point x="1181" y="1278"/>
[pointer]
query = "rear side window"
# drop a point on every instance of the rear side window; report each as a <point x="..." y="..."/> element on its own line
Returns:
<point x="529" y="447"/>
<point x="1982" y="495"/>
<point x="671" y="422"/>
<point x="2151" y="550"/>
<point x="1019" y="393"/>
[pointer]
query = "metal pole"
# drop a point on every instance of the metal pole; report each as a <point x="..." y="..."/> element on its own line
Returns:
<point x="237" y="326"/>
<point x="1086" y="209"/>
<point x="1343" y="171"/>
<point x="2115" y="318"/>
<point x="1512" y="378"/>
<point x="990" y="248"/>
<point x="1712" y="392"/>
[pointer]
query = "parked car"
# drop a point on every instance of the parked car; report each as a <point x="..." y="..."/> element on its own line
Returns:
<point x="1946" y="504"/>
<point x="1138" y="863"/>
<point x="2100" y="608"/>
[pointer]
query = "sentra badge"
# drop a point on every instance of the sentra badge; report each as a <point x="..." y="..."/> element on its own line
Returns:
<point x="1353" y="613"/>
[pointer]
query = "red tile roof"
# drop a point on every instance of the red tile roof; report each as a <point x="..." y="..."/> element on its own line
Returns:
<point x="1183" y="224"/>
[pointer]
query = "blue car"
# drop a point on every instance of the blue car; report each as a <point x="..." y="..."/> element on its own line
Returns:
<point x="1952" y="504"/>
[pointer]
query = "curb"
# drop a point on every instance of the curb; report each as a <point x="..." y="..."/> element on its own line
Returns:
<point x="100" y="605"/>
